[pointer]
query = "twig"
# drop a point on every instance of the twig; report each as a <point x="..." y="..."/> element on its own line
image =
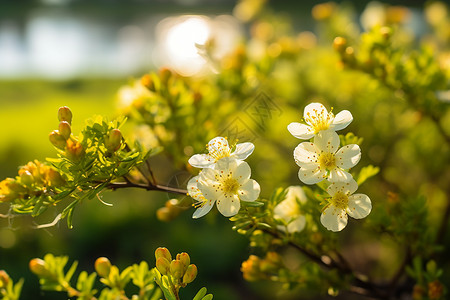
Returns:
<point x="156" y="187"/>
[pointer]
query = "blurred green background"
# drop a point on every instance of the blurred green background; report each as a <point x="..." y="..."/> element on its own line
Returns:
<point x="42" y="68"/>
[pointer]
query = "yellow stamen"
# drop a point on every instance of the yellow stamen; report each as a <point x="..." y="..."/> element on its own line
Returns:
<point x="340" y="200"/>
<point x="319" y="120"/>
<point x="327" y="161"/>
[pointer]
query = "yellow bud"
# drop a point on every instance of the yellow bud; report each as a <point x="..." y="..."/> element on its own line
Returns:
<point x="57" y="139"/>
<point x="102" y="266"/>
<point x="165" y="74"/>
<point x="339" y="44"/>
<point x="323" y="11"/>
<point x="64" y="129"/>
<point x="64" y="114"/>
<point x="37" y="266"/>
<point x="74" y="150"/>
<point x="148" y="82"/>
<point x="435" y="290"/>
<point x="163" y="252"/>
<point x="26" y="178"/>
<point x="190" y="274"/>
<point x="177" y="269"/>
<point x="54" y="178"/>
<point x="185" y="259"/>
<point x="164" y="214"/>
<point x="113" y="140"/>
<point x="250" y="268"/>
<point x="4" y="279"/>
<point x="163" y="265"/>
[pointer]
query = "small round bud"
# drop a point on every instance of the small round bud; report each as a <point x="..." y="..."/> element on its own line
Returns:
<point x="26" y="178"/>
<point x="65" y="114"/>
<point x="114" y="140"/>
<point x="163" y="265"/>
<point x="148" y="82"/>
<point x="386" y="32"/>
<point x="57" y="139"/>
<point x="339" y="44"/>
<point x="165" y="74"/>
<point x="177" y="269"/>
<point x="190" y="274"/>
<point x="184" y="258"/>
<point x="163" y="252"/>
<point x="164" y="214"/>
<point x="64" y="129"/>
<point x="435" y="290"/>
<point x="74" y="150"/>
<point x="37" y="266"/>
<point x="4" y="279"/>
<point x="54" y="178"/>
<point x="102" y="266"/>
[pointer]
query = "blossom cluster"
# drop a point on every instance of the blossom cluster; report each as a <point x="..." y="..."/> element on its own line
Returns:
<point x="321" y="158"/>
<point x="224" y="178"/>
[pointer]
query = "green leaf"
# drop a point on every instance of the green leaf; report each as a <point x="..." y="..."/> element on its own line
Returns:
<point x="69" y="273"/>
<point x="366" y="173"/>
<point x="200" y="294"/>
<point x="252" y="204"/>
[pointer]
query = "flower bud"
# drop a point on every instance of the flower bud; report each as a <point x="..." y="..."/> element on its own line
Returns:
<point x="37" y="266"/>
<point x="165" y="74"/>
<point x="114" y="140"/>
<point x="435" y="290"/>
<point x="163" y="265"/>
<point x="250" y="268"/>
<point x="339" y="44"/>
<point x="164" y="214"/>
<point x="148" y="82"/>
<point x="163" y="252"/>
<point x="64" y="129"/>
<point x="176" y="269"/>
<point x="64" y="114"/>
<point x="26" y="178"/>
<point x="57" y="139"/>
<point x="102" y="266"/>
<point x="4" y="279"/>
<point x="185" y="259"/>
<point x="54" y="178"/>
<point x="190" y="274"/>
<point x="74" y="150"/>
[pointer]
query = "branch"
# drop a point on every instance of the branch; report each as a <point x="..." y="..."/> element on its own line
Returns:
<point x="148" y="187"/>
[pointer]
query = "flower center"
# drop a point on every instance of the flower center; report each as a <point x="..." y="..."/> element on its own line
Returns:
<point x="340" y="200"/>
<point x="327" y="161"/>
<point x="230" y="186"/>
<point x="219" y="149"/>
<point x="319" y="120"/>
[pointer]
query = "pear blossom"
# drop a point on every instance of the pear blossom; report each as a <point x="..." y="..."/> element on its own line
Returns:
<point x="342" y="203"/>
<point x="289" y="211"/>
<point x="318" y="119"/>
<point x="322" y="159"/>
<point x="218" y="148"/>
<point x="226" y="183"/>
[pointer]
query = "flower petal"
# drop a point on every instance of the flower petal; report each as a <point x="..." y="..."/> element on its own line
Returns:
<point x="341" y="120"/>
<point x="242" y="171"/>
<point x="296" y="192"/>
<point x="297" y="224"/>
<point x="347" y="188"/>
<point x="226" y="164"/>
<point x="193" y="189"/>
<point x="327" y="141"/>
<point x="217" y="143"/>
<point x="249" y="191"/>
<point x="306" y="155"/>
<point x="311" y="175"/>
<point x="339" y="175"/>
<point x="333" y="218"/>
<point x="243" y="150"/>
<point x="348" y="156"/>
<point x="359" y="206"/>
<point x="228" y="207"/>
<point x="201" y="160"/>
<point x="201" y="211"/>
<point x="314" y="109"/>
<point x="301" y="131"/>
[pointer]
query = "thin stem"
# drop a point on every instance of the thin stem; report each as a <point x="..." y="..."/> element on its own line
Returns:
<point x="156" y="187"/>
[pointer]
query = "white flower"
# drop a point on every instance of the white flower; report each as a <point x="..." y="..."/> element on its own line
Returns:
<point x="227" y="183"/>
<point x="322" y="159"/>
<point x="342" y="202"/>
<point x="319" y="119"/>
<point x="218" y="148"/>
<point x="288" y="210"/>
